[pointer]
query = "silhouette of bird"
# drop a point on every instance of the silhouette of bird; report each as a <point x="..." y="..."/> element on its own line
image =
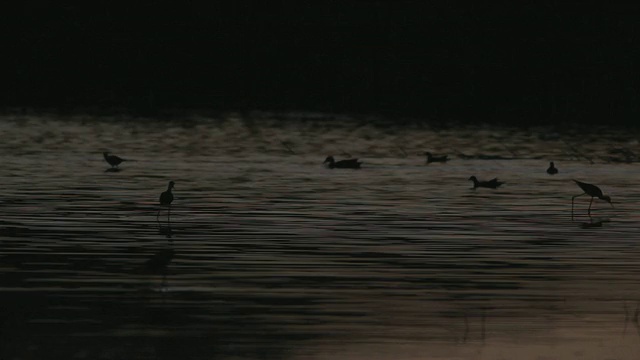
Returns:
<point x="342" y="164"/>
<point x="592" y="191"/>
<point x="492" y="184"/>
<point x="113" y="160"/>
<point x="166" y="198"/>
<point x="552" y="170"/>
<point x="431" y="158"/>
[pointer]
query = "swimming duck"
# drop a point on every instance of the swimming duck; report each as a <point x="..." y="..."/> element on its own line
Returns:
<point x="552" y="169"/>
<point x="431" y="158"/>
<point x="491" y="184"/>
<point x="342" y="164"/>
<point x="113" y="160"/>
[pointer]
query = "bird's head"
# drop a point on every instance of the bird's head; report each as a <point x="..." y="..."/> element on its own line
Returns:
<point x="607" y="198"/>
<point x="329" y="160"/>
<point x="106" y="153"/>
<point x="427" y="154"/>
<point x="473" y="178"/>
<point x="171" y="184"/>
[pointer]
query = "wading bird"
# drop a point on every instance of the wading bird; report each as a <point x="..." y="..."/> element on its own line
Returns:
<point x="113" y="160"/>
<point x="491" y="184"/>
<point x="552" y="170"/>
<point x="592" y="191"/>
<point x="431" y="158"/>
<point x="166" y="198"/>
<point x="342" y="164"/>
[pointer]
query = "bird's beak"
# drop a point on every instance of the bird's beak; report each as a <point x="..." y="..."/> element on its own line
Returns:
<point x="611" y="203"/>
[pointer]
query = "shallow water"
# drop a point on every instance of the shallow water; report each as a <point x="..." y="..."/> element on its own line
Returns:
<point x="270" y="255"/>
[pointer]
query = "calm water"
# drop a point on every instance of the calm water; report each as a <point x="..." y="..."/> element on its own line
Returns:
<point x="269" y="255"/>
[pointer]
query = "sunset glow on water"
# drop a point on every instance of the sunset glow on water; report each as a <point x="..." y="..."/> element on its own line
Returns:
<point x="268" y="254"/>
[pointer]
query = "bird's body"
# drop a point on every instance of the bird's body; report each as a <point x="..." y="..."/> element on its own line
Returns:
<point x="166" y="198"/>
<point x="342" y="164"/>
<point x="113" y="160"/>
<point x="431" y="158"/>
<point x="491" y="184"/>
<point x="552" y="170"/>
<point x="592" y="191"/>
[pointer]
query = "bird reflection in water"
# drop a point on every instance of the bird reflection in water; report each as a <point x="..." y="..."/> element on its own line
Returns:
<point x="166" y="231"/>
<point x="594" y="223"/>
<point x="158" y="264"/>
<point x="631" y="318"/>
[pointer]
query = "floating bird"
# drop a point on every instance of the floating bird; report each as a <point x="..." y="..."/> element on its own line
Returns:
<point x="431" y="158"/>
<point x="492" y="184"/>
<point x="592" y="191"/>
<point x="113" y="160"/>
<point x="552" y="170"/>
<point x="342" y="164"/>
<point x="166" y="198"/>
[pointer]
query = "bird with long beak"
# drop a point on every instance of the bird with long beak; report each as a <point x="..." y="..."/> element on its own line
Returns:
<point x="592" y="191"/>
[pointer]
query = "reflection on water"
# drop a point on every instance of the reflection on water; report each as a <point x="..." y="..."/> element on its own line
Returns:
<point x="270" y="255"/>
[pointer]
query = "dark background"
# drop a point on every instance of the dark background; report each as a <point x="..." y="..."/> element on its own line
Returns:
<point x="533" y="61"/>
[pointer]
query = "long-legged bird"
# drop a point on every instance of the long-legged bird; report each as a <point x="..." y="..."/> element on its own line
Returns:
<point x="592" y="191"/>
<point x="166" y="198"/>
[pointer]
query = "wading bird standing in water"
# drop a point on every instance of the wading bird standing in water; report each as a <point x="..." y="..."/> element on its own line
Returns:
<point x="166" y="198"/>
<point x="431" y="158"/>
<point x="113" y="160"/>
<point x="552" y="170"/>
<point x="342" y="164"/>
<point x="592" y="191"/>
<point x="491" y="184"/>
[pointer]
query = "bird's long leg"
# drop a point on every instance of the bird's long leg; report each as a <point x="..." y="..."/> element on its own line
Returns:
<point x="589" y="210"/>
<point x="572" y="199"/>
<point x="169" y="215"/>
<point x="158" y="215"/>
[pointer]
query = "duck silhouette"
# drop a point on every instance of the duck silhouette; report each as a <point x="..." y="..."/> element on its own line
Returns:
<point x="431" y="158"/>
<point x="113" y="160"/>
<point x="491" y="184"/>
<point x="342" y="164"/>
<point x="552" y="170"/>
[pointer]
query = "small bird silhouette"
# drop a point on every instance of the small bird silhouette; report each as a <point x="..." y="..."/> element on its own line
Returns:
<point x="431" y="158"/>
<point x="492" y="184"/>
<point x="113" y="160"/>
<point x="552" y="170"/>
<point x="342" y="164"/>
<point x="592" y="191"/>
<point x="166" y="198"/>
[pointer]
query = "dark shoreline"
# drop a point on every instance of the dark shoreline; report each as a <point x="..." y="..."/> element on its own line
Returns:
<point x="371" y="118"/>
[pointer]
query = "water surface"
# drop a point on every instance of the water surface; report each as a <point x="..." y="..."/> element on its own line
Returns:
<point x="269" y="255"/>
